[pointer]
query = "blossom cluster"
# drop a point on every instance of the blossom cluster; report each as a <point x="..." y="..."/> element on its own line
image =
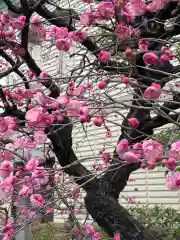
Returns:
<point x="43" y="111"/>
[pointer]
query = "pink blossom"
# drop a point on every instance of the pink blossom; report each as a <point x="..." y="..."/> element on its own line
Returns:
<point x="37" y="33"/>
<point x="30" y="74"/>
<point x="125" y="80"/>
<point x="169" y="54"/>
<point x="52" y="31"/>
<point x="48" y="119"/>
<point x="32" y="214"/>
<point x="137" y="146"/>
<point x="32" y="164"/>
<point x="128" y="13"/>
<point x="106" y="10"/>
<point x="3" y="125"/>
<point x="20" y="51"/>
<point x="101" y="84"/>
<point x="61" y="33"/>
<point x="74" y="107"/>
<point x="104" y="56"/>
<point x="57" y="178"/>
<point x="19" y="22"/>
<point x="83" y="119"/>
<point x="84" y="114"/>
<point x="29" y="143"/>
<point x="139" y="7"/>
<point x="34" y="115"/>
<point x="27" y="94"/>
<point x="173" y="181"/>
<point x="79" y="91"/>
<point x="61" y="37"/>
<point x="143" y="45"/>
<point x="133" y="122"/>
<point x="143" y="165"/>
<point x="98" y="121"/>
<point x="6" y="189"/>
<point x="40" y="137"/>
<point x="174" y="152"/>
<point x="4" y="18"/>
<point x="7" y="155"/>
<point x="108" y="134"/>
<point x="122" y="146"/>
<point x="122" y="31"/>
<point x="19" y="143"/>
<point x="106" y="156"/>
<point x="131" y="180"/>
<point x="151" y="164"/>
<point x="9" y="180"/>
<point x="63" y="99"/>
<point x="10" y="33"/>
<point x="84" y="110"/>
<point x="45" y="77"/>
<point x="25" y="191"/>
<point x="42" y="99"/>
<point x="117" y="236"/>
<point x="170" y="163"/>
<point x="175" y="146"/>
<point x="24" y="211"/>
<point x="152" y="150"/>
<point x="132" y="200"/>
<point x="78" y="36"/>
<point x="40" y="176"/>
<point x="63" y="44"/>
<point x="131" y="157"/>
<point x="156" y="5"/>
<point x="87" y="18"/>
<point x="71" y="87"/>
<point x="106" y="79"/>
<point x="6" y="168"/>
<point x="49" y="210"/>
<point x="12" y="123"/>
<point x="36" y="22"/>
<point x="151" y="58"/>
<point x="37" y="200"/>
<point x="153" y="92"/>
<point x="129" y="52"/>
<point x="165" y="57"/>
<point x="8" y="230"/>
<point x="90" y="230"/>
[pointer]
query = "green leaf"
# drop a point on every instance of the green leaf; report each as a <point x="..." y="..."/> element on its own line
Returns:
<point x="19" y="163"/>
<point x="114" y="38"/>
<point x="178" y="169"/>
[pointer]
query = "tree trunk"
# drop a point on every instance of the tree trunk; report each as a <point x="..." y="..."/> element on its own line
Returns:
<point x="114" y="218"/>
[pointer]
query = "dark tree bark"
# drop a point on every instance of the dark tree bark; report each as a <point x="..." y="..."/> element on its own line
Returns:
<point x="102" y="193"/>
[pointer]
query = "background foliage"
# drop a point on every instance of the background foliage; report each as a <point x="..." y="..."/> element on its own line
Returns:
<point x="165" y="221"/>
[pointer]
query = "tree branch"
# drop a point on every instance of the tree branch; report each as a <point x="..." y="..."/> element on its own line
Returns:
<point x="12" y="7"/>
<point x="60" y="136"/>
<point x="159" y="121"/>
<point x="61" y="139"/>
<point x="16" y="70"/>
<point x="59" y="22"/>
<point x="54" y="89"/>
